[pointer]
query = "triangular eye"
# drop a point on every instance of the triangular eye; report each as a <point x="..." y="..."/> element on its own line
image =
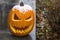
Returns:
<point x="15" y="17"/>
<point x="28" y="18"/>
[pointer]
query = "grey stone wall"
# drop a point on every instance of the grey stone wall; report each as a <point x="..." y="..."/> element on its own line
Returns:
<point x="5" y="6"/>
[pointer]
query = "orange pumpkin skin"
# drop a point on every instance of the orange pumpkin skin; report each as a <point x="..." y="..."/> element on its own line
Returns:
<point x="23" y="24"/>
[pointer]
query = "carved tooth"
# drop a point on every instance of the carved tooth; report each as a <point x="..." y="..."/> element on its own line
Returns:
<point x="22" y="31"/>
<point x="17" y="30"/>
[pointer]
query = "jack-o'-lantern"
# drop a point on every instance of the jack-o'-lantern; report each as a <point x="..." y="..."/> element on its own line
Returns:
<point x="21" y="20"/>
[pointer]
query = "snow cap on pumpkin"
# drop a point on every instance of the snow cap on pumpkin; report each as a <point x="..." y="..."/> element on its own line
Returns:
<point x="22" y="8"/>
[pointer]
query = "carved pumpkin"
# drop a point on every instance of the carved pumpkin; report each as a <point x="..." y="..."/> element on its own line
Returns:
<point x="21" y="20"/>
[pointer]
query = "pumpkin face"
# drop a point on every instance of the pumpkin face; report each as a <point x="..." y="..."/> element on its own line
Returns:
<point x="21" y="20"/>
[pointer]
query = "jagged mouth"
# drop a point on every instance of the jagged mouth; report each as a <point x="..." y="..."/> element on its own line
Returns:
<point x="21" y="31"/>
<point x="22" y="28"/>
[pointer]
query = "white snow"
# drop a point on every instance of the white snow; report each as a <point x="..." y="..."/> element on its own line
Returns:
<point x="22" y="8"/>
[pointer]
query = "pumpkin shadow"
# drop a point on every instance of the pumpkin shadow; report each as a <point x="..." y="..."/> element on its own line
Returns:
<point x="8" y="36"/>
<point x="28" y="37"/>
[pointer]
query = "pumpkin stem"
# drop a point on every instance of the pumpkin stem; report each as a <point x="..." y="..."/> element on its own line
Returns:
<point x="21" y="4"/>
